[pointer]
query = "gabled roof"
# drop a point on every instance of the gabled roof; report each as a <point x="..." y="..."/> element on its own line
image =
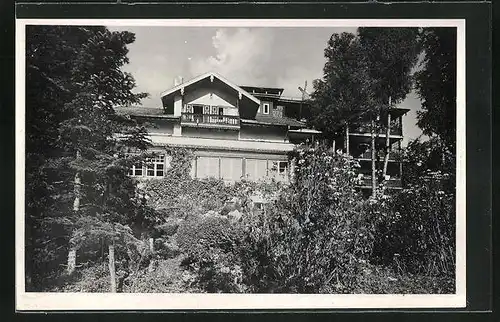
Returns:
<point x="211" y="74"/>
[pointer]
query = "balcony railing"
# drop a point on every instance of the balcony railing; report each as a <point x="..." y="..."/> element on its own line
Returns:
<point x="396" y="129"/>
<point x="207" y="119"/>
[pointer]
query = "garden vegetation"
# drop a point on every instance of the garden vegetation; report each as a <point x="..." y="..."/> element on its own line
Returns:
<point x="93" y="228"/>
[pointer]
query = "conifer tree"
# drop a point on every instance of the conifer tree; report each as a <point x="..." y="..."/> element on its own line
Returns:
<point x="361" y="73"/>
<point x="78" y="190"/>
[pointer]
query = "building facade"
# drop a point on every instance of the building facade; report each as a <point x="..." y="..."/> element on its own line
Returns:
<point x="247" y="132"/>
<point x="356" y="141"/>
<point x="235" y="131"/>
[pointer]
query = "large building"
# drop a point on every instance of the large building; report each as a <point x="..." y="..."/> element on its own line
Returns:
<point x="356" y="141"/>
<point x="247" y="132"/>
<point x="235" y="131"/>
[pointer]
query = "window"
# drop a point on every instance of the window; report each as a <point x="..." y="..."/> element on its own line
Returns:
<point x="155" y="167"/>
<point x="278" y="170"/>
<point x="136" y="170"/>
<point x="152" y="168"/>
<point x="255" y="169"/>
<point x="231" y="168"/>
<point x="207" y="167"/>
<point x="266" y="108"/>
<point x="282" y="167"/>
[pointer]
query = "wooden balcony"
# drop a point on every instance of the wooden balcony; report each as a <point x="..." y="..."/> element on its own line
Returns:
<point x="396" y="129"/>
<point x="210" y="120"/>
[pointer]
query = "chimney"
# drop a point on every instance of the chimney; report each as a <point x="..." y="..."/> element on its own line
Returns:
<point x="178" y="80"/>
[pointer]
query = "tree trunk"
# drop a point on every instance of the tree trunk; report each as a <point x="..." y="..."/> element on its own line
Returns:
<point x="71" y="261"/>
<point x="387" y="141"/>
<point x="112" y="272"/>
<point x="347" y="138"/>
<point x="374" y="165"/>
<point x="76" y="207"/>
<point x="151" y="245"/>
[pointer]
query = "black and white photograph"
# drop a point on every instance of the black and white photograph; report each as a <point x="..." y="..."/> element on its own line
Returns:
<point x="240" y="163"/>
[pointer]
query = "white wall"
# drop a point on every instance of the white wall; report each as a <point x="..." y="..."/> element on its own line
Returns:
<point x="177" y="105"/>
<point x="220" y="134"/>
<point x="213" y="97"/>
<point x="262" y="133"/>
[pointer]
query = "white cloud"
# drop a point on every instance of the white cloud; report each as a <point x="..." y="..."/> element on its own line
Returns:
<point x="241" y="55"/>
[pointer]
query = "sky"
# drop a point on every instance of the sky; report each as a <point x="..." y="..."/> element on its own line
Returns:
<point x="284" y="57"/>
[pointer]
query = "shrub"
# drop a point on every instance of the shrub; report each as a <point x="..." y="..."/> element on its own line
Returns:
<point x="377" y="279"/>
<point x="311" y="239"/>
<point x="166" y="277"/>
<point x="92" y="279"/>
<point x="416" y="230"/>
<point x="210" y="244"/>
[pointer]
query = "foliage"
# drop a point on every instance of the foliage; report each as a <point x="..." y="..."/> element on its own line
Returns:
<point x="311" y="239"/>
<point x="91" y="279"/>
<point x="166" y="277"/>
<point x="436" y="84"/>
<point x="210" y="243"/>
<point x="416" y="230"/>
<point x="76" y="164"/>
<point x="343" y="92"/>
<point x="428" y="160"/>
<point x="391" y="53"/>
<point x="315" y="236"/>
<point x="377" y="279"/>
<point x="361" y="72"/>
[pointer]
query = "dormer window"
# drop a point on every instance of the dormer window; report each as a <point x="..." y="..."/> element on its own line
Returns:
<point x="265" y="108"/>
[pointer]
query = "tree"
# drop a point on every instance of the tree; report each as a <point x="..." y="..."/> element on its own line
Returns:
<point x="76" y="144"/>
<point x="361" y="73"/>
<point x="392" y="53"/>
<point x="436" y="84"/>
<point x="342" y="96"/>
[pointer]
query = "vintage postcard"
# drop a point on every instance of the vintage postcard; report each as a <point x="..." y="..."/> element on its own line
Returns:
<point x="240" y="164"/>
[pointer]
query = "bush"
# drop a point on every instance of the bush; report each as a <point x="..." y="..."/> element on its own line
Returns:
<point x="377" y="279"/>
<point x="311" y="239"/>
<point x="92" y="279"/>
<point x="416" y="230"/>
<point x="210" y="244"/>
<point x="166" y="277"/>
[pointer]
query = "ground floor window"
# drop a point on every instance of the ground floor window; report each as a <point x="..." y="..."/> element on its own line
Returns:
<point x="256" y="169"/>
<point x="207" y="167"/>
<point x="278" y="170"/>
<point x="231" y="168"/>
<point x="234" y="168"/>
<point x="154" y="167"/>
<point x="136" y="170"/>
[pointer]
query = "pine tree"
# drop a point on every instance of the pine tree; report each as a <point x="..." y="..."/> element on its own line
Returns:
<point x="344" y="97"/>
<point x="361" y="74"/>
<point x="392" y="53"/>
<point x="78" y="190"/>
<point x="436" y="84"/>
